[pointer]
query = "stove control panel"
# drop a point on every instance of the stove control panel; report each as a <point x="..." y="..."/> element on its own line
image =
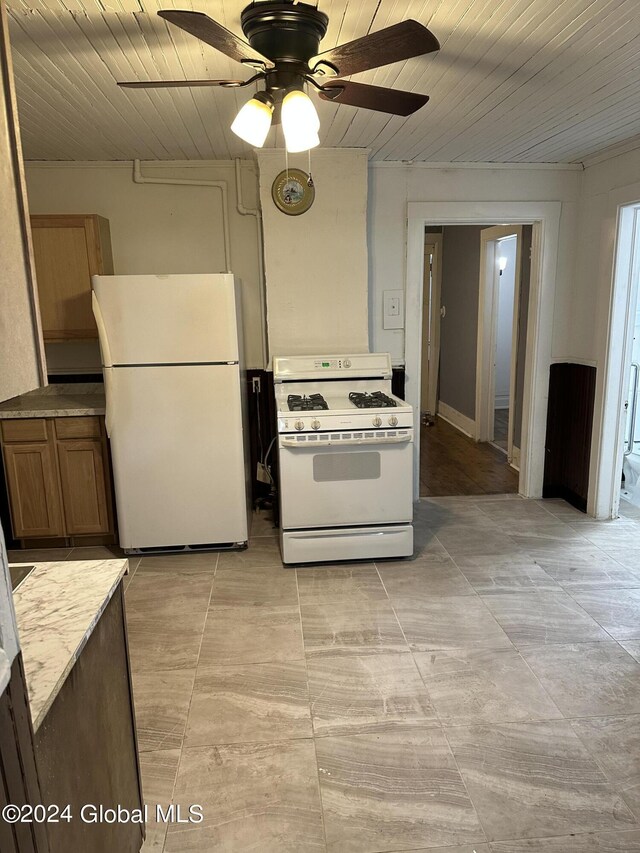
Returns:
<point x="358" y="420"/>
<point x="321" y="365"/>
<point x="367" y="365"/>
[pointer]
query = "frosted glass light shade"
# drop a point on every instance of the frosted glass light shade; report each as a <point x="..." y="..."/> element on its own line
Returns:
<point x="301" y="142"/>
<point x="300" y="122"/>
<point x="253" y="121"/>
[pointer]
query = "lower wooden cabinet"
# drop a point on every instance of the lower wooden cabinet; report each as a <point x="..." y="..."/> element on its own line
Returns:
<point x="34" y="495"/>
<point x="84" y="486"/>
<point x="58" y="480"/>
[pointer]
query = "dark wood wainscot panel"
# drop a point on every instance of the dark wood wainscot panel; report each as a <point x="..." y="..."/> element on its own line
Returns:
<point x="569" y="427"/>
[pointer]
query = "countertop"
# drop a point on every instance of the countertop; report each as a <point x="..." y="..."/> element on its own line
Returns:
<point x="57" y="607"/>
<point x="57" y="401"/>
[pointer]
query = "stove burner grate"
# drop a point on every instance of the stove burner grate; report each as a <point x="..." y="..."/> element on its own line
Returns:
<point x="312" y="403"/>
<point x="375" y="400"/>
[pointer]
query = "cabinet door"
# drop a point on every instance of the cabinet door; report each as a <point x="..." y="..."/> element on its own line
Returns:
<point x="34" y="495"/>
<point x="84" y="491"/>
<point x="68" y="250"/>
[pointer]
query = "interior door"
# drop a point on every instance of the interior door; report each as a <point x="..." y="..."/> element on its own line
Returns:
<point x="487" y="331"/>
<point x="431" y="323"/>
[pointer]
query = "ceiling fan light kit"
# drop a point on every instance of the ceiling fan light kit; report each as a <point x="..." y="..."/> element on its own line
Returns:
<point x="283" y="40"/>
<point x="253" y="122"/>
<point x="300" y="122"/>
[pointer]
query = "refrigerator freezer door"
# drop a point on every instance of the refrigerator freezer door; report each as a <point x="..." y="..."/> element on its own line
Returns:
<point x="178" y="460"/>
<point x="167" y="319"/>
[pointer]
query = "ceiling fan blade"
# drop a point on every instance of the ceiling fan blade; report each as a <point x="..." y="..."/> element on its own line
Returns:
<point x="177" y="84"/>
<point x="392" y="44"/>
<point x="214" y="34"/>
<point x="373" y="97"/>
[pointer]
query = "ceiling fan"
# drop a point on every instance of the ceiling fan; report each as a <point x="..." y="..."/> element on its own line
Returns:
<point x="282" y="48"/>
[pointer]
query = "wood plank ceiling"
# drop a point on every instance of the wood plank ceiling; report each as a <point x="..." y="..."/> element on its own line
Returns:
<point x="515" y="81"/>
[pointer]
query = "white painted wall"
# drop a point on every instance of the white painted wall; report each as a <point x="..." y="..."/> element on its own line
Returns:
<point x="158" y="228"/>
<point x="606" y="185"/>
<point x="603" y="186"/>
<point x="316" y="263"/>
<point x="391" y="187"/>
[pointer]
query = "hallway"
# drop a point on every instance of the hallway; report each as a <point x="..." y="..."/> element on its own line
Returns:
<point x="451" y="463"/>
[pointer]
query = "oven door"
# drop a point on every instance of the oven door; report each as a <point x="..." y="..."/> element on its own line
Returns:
<point x="347" y="482"/>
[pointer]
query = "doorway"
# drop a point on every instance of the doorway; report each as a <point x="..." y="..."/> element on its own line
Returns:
<point x="545" y="216"/>
<point x="455" y="459"/>
<point x="627" y="321"/>
<point x="631" y="459"/>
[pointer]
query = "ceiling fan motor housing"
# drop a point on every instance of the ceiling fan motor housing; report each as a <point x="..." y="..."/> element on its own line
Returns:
<point x="284" y="32"/>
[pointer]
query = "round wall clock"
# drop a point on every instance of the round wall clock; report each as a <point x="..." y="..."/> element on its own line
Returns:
<point x="291" y="192"/>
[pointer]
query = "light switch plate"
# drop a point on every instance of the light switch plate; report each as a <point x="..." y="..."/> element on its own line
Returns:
<point x="393" y="309"/>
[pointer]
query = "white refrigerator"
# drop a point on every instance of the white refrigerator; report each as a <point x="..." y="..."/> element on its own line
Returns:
<point x="172" y="355"/>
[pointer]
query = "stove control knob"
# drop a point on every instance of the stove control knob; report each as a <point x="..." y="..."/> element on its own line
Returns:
<point x="347" y="362"/>
<point x="315" y="424"/>
<point x="393" y="421"/>
<point x="377" y="421"/>
<point x="299" y="425"/>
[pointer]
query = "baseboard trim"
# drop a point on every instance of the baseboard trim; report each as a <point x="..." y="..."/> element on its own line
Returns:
<point x="457" y="419"/>
<point x="515" y="459"/>
<point x="502" y="402"/>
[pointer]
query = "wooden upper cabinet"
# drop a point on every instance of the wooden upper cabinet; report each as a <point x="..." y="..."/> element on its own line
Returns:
<point x="68" y="250"/>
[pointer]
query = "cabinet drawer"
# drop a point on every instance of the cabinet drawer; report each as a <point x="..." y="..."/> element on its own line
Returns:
<point x="78" y="427"/>
<point x="24" y="429"/>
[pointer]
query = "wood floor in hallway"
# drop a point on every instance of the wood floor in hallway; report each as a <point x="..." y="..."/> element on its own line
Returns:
<point x="451" y="463"/>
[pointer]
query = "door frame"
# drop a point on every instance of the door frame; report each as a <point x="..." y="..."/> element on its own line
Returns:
<point x="611" y="392"/>
<point x="545" y="218"/>
<point x="487" y="319"/>
<point x="432" y="306"/>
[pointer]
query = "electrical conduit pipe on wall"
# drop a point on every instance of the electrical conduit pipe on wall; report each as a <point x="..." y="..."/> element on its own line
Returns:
<point x="249" y="211"/>
<point x="138" y="178"/>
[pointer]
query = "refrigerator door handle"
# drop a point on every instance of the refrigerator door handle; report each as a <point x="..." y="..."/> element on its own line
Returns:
<point x="108" y="393"/>
<point x="102" y="331"/>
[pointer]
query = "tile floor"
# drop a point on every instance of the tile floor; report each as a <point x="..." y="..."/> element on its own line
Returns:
<point x="483" y="696"/>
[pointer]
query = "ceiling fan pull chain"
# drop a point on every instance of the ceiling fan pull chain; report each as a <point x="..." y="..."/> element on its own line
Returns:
<point x="310" y="178"/>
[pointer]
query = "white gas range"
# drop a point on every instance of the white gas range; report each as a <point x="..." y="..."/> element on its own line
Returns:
<point x="345" y="448"/>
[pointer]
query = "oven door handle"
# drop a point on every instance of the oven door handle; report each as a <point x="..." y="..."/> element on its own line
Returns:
<point x="350" y="534"/>
<point x="287" y="442"/>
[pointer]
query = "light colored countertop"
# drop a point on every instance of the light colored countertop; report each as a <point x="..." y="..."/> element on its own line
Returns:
<point x="57" y="607"/>
<point x="57" y="401"/>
